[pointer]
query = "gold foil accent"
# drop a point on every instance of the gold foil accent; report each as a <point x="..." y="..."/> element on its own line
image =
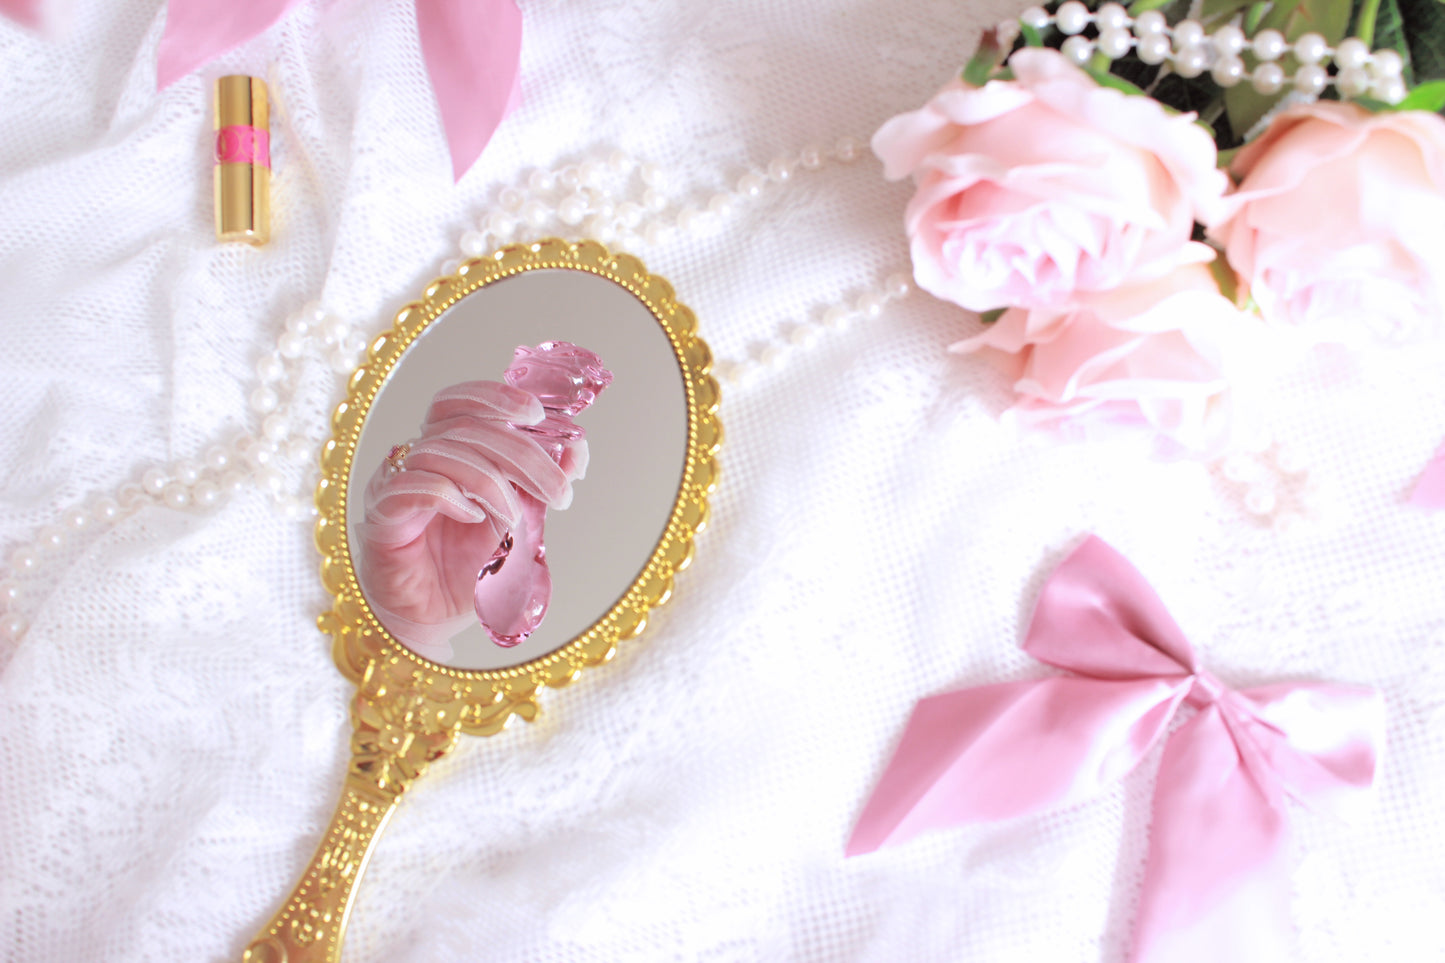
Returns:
<point x="243" y="191"/>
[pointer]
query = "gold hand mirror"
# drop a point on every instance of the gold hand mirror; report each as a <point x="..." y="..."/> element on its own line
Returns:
<point x="612" y="554"/>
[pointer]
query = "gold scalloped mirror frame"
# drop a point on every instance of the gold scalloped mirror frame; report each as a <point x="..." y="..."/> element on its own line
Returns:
<point x="407" y="710"/>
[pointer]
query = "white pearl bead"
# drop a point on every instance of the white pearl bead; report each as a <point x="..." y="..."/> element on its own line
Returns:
<point x="500" y="224"/>
<point x="1389" y="89"/>
<point x="870" y="304"/>
<point x="188" y="473"/>
<point x="12" y="627"/>
<point x="1115" y="43"/>
<point x="448" y="267"/>
<point x="650" y="174"/>
<point x="9" y="593"/>
<point x="105" y="510"/>
<point x="802" y="334"/>
<point x="598" y="226"/>
<point x="355" y="343"/>
<point x="300" y="325"/>
<point x="1351" y="52"/>
<point x="589" y="173"/>
<point x="897" y="285"/>
<point x="1352" y="82"/>
<point x="811" y="157"/>
<point x="1036" y="17"/>
<point x="176" y="495"/>
<point x="572" y="209"/>
<point x="751" y="184"/>
<point x="1153" y="49"/>
<point x="1190" y="62"/>
<point x="1111" y="16"/>
<point x="334" y="328"/>
<point x="1386" y="63"/>
<point x="1188" y="33"/>
<point x="1259" y="501"/>
<point x="342" y="361"/>
<point x="1072" y="17"/>
<point x="836" y="316"/>
<point x="1078" y="49"/>
<point x="1227" y="71"/>
<point x="298" y="449"/>
<point x="75" y="519"/>
<point x="535" y="213"/>
<point x="273" y="427"/>
<point x="1310" y="79"/>
<point x="656" y="232"/>
<point x="780" y="170"/>
<point x="290" y="345"/>
<point x="619" y="162"/>
<point x="1228" y="40"/>
<point x="52" y="539"/>
<point x="259" y="452"/>
<point x="24" y="560"/>
<point x="270" y="481"/>
<point x="474" y="244"/>
<point x="720" y="204"/>
<point x="653" y="200"/>
<point x="312" y="311"/>
<point x="1310" y="49"/>
<point x="206" y="494"/>
<point x="510" y="199"/>
<point x="569" y="178"/>
<point x="770" y="354"/>
<point x="847" y="149"/>
<point x="540" y="180"/>
<point x="1268" y="45"/>
<point x="153" y="481"/>
<point x="1268" y="78"/>
<point x="270" y="368"/>
<point x="217" y="458"/>
<point x="233" y="481"/>
<point x="264" y="399"/>
<point x="131" y="496"/>
<point x="687" y="218"/>
<point x="1149" y="23"/>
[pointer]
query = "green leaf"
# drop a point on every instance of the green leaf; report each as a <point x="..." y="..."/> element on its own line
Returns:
<point x="1329" y="18"/>
<point x="1032" y="38"/>
<point x="1225" y="277"/>
<point x="1103" y="78"/>
<point x="1214" y="11"/>
<point x="1428" y="96"/>
<point x="1390" y="35"/>
<point x="1423" y="26"/>
<point x="992" y="315"/>
<point x="1253" y="15"/>
<point x="1247" y="106"/>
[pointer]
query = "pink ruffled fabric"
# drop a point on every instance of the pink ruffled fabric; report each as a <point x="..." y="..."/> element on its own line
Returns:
<point x="430" y="528"/>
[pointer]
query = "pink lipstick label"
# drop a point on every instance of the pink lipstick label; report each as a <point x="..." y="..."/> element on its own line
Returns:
<point x="243" y="144"/>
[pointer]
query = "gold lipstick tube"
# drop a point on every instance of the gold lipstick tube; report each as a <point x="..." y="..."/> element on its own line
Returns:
<point x="243" y="160"/>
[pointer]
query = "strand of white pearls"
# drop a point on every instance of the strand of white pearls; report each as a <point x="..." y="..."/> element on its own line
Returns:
<point x="1275" y="484"/>
<point x="281" y="444"/>
<point x="586" y="194"/>
<point x="1189" y="51"/>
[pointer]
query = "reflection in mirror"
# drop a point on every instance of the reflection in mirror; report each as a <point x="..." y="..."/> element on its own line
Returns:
<point x="451" y="467"/>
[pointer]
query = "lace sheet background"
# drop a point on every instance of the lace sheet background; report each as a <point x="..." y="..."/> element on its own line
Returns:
<point x="172" y="731"/>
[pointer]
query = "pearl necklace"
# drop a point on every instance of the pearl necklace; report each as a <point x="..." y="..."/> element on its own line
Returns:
<point x="602" y="196"/>
<point x="1188" y="51"/>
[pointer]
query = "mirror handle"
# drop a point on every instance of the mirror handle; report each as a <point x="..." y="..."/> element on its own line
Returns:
<point x="398" y="728"/>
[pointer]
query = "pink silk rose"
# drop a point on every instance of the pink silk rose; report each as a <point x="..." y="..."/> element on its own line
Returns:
<point x="1160" y="353"/>
<point x="1338" y="223"/>
<point x="1033" y="190"/>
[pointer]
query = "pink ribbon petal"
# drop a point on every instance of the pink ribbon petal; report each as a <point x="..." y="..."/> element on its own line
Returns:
<point x="1429" y="490"/>
<point x="473" y="49"/>
<point x="199" y="31"/>
<point x="1215" y="881"/>
<point x="25" y="12"/>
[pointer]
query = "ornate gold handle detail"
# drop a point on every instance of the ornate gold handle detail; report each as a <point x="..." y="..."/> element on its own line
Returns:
<point x="399" y="725"/>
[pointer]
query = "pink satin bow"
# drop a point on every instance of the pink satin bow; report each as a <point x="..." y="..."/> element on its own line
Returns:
<point x="1215" y="884"/>
<point x="472" y="50"/>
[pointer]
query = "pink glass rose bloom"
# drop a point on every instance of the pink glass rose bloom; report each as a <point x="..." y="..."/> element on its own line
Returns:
<point x="1048" y="185"/>
<point x="1160" y="353"/>
<point x="1338" y="223"/>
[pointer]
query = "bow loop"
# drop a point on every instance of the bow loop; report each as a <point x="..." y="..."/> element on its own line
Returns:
<point x="1097" y="616"/>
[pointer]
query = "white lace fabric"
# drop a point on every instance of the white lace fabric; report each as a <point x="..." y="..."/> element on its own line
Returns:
<point x="173" y="732"/>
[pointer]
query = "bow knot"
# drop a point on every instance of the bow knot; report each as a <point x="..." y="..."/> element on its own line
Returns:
<point x="1215" y="884"/>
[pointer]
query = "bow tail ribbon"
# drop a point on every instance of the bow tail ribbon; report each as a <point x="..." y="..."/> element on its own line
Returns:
<point x="1216" y="882"/>
<point x="472" y="50"/>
